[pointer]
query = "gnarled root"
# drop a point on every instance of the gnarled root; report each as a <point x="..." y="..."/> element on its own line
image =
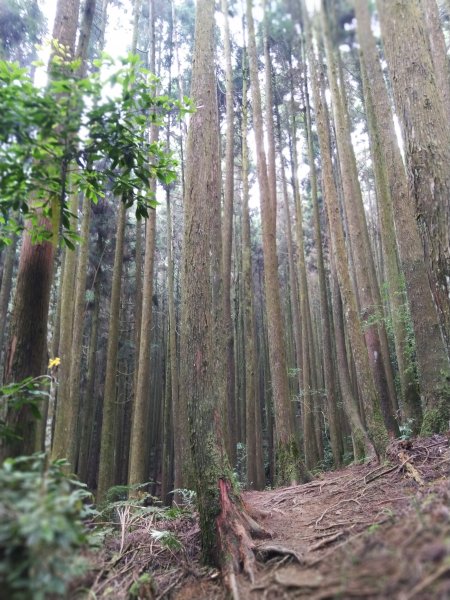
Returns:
<point x="235" y="528"/>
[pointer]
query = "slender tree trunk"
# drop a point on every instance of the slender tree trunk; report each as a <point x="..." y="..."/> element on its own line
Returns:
<point x="376" y="428"/>
<point x="255" y="466"/>
<point x="328" y="366"/>
<point x="288" y="463"/>
<point x="5" y="289"/>
<point x="139" y="434"/>
<point x="227" y="240"/>
<point x="369" y="295"/>
<point x="87" y="423"/>
<point x="108" y="437"/>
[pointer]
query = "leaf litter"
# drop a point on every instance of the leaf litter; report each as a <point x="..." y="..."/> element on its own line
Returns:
<point x="366" y="531"/>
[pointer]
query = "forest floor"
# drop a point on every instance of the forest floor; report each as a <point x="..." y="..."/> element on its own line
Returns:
<point x="366" y="531"/>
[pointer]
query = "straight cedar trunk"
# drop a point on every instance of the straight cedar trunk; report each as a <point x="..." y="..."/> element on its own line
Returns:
<point x="293" y="321"/>
<point x="289" y="466"/>
<point x="179" y="444"/>
<point x="5" y="289"/>
<point x="107" y="462"/>
<point x="367" y="285"/>
<point x="64" y="421"/>
<point x="79" y="422"/>
<point x="392" y="192"/>
<point x="88" y="406"/>
<point x="361" y="442"/>
<point x="426" y="134"/>
<point x="139" y="434"/>
<point x="27" y="349"/>
<point x="220" y="509"/>
<point x="310" y="414"/>
<point x="438" y="49"/>
<point x="375" y="423"/>
<point x="65" y="441"/>
<point x="327" y="348"/>
<point x="227" y="238"/>
<point x="138" y="247"/>
<point x="253" y="428"/>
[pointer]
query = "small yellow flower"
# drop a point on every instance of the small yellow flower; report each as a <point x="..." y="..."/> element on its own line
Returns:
<point x="54" y="362"/>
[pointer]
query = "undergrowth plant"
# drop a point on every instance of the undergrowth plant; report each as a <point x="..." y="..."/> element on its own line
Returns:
<point x="42" y="510"/>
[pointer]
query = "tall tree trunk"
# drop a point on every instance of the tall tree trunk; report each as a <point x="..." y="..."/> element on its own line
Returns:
<point x="66" y="418"/>
<point x="307" y="366"/>
<point x="108" y="436"/>
<point x="368" y="291"/>
<point x="376" y="428"/>
<point x="255" y="465"/>
<point x="227" y="240"/>
<point x="289" y="466"/>
<point x="27" y="351"/>
<point x="201" y="322"/>
<point x="426" y="135"/>
<point x="139" y="434"/>
<point x="328" y="366"/>
<point x="87" y="424"/>
<point x="391" y="187"/>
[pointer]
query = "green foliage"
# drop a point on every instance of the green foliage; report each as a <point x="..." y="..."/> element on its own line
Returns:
<point x="30" y="392"/>
<point x="167" y="539"/>
<point x="240" y="472"/>
<point x="79" y="135"/>
<point x="143" y="587"/>
<point x="406" y="429"/>
<point x="41" y="525"/>
<point x="188" y="497"/>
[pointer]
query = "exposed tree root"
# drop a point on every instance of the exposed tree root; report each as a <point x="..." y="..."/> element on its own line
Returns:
<point x="235" y="529"/>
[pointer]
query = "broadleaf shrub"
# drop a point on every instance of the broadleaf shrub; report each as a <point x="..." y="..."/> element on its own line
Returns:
<point x="41" y="526"/>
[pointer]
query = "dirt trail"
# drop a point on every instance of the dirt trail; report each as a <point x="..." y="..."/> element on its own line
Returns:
<point x="368" y="531"/>
<point x="362" y="532"/>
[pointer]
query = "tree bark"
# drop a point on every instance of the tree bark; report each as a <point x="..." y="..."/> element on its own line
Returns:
<point x="426" y="135"/>
<point x="289" y="467"/>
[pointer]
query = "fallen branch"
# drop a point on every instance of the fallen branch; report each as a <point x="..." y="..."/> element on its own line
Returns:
<point x="331" y="508"/>
<point x="325" y="541"/>
<point x="413" y="472"/>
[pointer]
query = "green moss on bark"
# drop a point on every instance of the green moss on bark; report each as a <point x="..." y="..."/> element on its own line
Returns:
<point x="289" y="465"/>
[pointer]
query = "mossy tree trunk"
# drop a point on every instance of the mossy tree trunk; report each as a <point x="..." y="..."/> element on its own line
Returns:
<point x="426" y="135"/>
<point x="219" y="505"/>
<point x="388" y="171"/>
